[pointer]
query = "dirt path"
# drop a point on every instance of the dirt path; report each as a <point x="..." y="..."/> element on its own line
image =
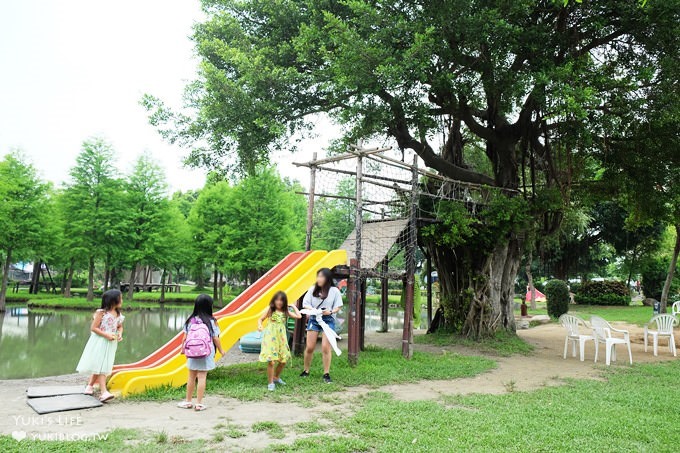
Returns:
<point x="544" y="366"/>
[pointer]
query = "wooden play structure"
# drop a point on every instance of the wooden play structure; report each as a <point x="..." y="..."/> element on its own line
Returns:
<point x="389" y="193"/>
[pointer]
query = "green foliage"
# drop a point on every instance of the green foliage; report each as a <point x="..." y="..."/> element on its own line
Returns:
<point x="23" y="213"/>
<point x="522" y="95"/>
<point x="334" y="219"/>
<point x="654" y="268"/>
<point x="91" y="208"/>
<point x="607" y="292"/>
<point x="147" y="211"/>
<point x="654" y="274"/>
<point x="557" y="297"/>
<point x="500" y="217"/>
<point x="247" y="228"/>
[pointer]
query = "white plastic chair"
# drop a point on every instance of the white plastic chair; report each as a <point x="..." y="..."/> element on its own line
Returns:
<point x="572" y="324"/>
<point x="664" y="328"/>
<point x="602" y="331"/>
<point x="675" y="310"/>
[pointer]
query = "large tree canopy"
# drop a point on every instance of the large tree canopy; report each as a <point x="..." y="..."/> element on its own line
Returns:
<point x="536" y="85"/>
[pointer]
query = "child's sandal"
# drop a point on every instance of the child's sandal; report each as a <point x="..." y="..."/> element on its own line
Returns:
<point x="200" y="407"/>
<point x="185" y="405"/>
<point x="106" y="396"/>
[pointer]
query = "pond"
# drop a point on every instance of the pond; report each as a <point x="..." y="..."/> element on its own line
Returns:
<point x="49" y="343"/>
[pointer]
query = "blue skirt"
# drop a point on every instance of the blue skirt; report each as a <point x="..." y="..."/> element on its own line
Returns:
<point x="204" y="363"/>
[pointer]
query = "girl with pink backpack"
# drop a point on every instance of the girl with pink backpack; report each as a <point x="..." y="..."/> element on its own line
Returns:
<point x="201" y="338"/>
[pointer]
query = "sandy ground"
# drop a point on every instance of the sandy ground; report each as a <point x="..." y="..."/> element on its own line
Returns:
<point x="545" y="366"/>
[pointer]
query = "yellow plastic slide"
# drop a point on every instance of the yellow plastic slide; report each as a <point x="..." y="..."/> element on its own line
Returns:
<point x="174" y="372"/>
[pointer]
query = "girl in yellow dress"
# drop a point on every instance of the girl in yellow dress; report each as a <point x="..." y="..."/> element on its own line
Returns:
<point x="274" y="348"/>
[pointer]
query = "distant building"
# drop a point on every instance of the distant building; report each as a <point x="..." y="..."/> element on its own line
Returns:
<point x="20" y="272"/>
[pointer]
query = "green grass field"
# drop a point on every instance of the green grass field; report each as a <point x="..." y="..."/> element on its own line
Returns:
<point x="376" y="367"/>
<point x="503" y="345"/>
<point x="374" y="299"/>
<point x="142" y="300"/>
<point x="633" y="410"/>
<point x="632" y="314"/>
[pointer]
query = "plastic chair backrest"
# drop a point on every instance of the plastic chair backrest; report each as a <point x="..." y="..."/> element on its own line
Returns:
<point x="675" y="310"/>
<point x="601" y="327"/>
<point x="571" y="323"/>
<point x="664" y="322"/>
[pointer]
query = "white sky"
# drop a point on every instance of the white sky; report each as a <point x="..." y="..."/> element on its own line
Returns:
<point x="72" y="69"/>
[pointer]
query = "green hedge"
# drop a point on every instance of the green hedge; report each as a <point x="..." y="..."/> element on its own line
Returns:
<point x="609" y="292"/>
<point x="557" y="297"/>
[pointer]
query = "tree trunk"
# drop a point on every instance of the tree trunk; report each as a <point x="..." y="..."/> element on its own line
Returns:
<point x="5" y="278"/>
<point x="64" y="275"/>
<point x="215" y="283"/>
<point x="163" y="286"/>
<point x="112" y="278"/>
<point x="69" y="279"/>
<point x="107" y="273"/>
<point x="131" y="286"/>
<point x="671" y="271"/>
<point x="35" y="278"/>
<point x="477" y="291"/>
<point x="221" y="290"/>
<point x="90" y="279"/>
<point x="530" y="279"/>
<point x="492" y="303"/>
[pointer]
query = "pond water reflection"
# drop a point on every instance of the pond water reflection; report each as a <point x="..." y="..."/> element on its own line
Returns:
<point x="48" y="343"/>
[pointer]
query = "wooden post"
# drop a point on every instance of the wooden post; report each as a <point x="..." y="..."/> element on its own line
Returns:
<point x="34" y="288"/>
<point x="362" y="317"/>
<point x="384" y="297"/>
<point x="355" y="279"/>
<point x="429" y="290"/>
<point x="358" y="221"/>
<point x="412" y="243"/>
<point x="310" y="204"/>
<point x="299" y="332"/>
<point x="353" y="296"/>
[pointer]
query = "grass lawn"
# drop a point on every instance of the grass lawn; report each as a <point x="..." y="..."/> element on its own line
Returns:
<point x="631" y="314"/>
<point x="119" y="440"/>
<point x="632" y="411"/>
<point x="376" y="367"/>
<point x="80" y="303"/>
<point x="375" y="299"/>
<point x="142" y="300"/>
<point x="502" y="344"/>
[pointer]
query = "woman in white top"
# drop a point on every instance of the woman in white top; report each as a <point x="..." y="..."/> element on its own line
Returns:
<point x="326" y="297"/>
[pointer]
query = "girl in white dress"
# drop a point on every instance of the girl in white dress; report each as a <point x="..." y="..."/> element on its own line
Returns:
<point x="100" y="350"/>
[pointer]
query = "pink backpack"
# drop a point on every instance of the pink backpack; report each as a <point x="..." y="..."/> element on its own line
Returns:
<point x="198" y="342"/>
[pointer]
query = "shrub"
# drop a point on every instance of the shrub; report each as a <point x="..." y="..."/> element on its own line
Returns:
<point x="611" y="292"/>
<point x="557" y="297"/>
<point x="654" y="273"/>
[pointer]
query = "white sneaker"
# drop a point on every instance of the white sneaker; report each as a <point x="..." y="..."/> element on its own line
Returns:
<point x="271" y="387"/>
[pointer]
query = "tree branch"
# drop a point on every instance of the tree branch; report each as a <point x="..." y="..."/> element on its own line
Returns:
<point x="405" y="140"/>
